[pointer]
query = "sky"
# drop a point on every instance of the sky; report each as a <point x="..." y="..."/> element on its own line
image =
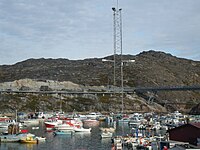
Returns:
<point x="81" y="29"/>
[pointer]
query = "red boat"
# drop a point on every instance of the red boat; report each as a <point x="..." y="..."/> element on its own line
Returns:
<point x="51" y="123"/>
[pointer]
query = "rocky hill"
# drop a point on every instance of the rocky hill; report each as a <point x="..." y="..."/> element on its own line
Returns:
<point x="150" y="69"/>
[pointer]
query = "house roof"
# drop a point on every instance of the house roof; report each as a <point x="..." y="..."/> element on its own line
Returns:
<point x="197" y="125"/>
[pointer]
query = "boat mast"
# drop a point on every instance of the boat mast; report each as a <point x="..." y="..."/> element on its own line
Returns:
<point x="60" y="103"/>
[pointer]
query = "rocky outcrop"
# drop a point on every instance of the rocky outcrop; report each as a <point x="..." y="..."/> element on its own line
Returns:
<point x="151" y="69"/>
<point x="35" y="85"/>
<point x="195" y="110"/>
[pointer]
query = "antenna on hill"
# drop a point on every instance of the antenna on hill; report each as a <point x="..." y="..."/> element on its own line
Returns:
<point x="117" y="36"/>
<point x="117" y="24"/>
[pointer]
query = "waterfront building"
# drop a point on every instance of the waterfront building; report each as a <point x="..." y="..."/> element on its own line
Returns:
<point x="186" y="133"/>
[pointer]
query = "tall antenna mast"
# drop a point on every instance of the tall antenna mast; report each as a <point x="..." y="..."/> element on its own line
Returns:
<point x="117" y="36"/>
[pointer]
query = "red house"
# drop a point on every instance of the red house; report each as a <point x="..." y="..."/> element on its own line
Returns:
<point x="186" y="133"/>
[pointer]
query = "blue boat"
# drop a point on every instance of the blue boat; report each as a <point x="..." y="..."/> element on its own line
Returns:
<point x="12" y="137"/>
<point x="9" y="138"/>
<point x="59" y="132"/>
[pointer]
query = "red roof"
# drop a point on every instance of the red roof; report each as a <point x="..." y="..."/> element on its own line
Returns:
<point x="197" y="124"/>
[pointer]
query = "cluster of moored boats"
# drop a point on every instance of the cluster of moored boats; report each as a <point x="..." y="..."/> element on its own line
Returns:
<point x="148" y="129"/>
<point x="14" y="134"/>
<point x="59" y="123"/>
<point x="142" y="127"/>
<point x="63" y="124"/>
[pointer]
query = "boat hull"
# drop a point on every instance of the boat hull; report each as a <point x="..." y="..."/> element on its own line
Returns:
<point x="7" y="139"/>
<point x="63" y="133"/>
<point x="29" y="141"/>
<point x="82" y="130"/>
<point x="50" y="124"/>
<point x="106" y="135"/>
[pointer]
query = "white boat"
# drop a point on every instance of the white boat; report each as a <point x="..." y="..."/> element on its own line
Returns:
<point x="82" y="129"/>
<point x="117" y="143"/>
<point x="164" y="127"/>
<point x="156" y="126"/>
<point x="124" y="120"/>
<point x="35" y="128"/>
<point x="107" y="129"/>
<point x="69" y="124"/>
<point x="30" y="122"/>
<point x="41" y="139"/>
<point x="106" y="134"/>
<point x="93" y="115"/>
<point x="5" y="122"/>
<point x="134" y="122"/>
<point x="65" y="127"/>
<point x="42" y="115"/>
<point x="102" y="118"/>
<point x="4" y="125"/>
<point x="82" y="117"/>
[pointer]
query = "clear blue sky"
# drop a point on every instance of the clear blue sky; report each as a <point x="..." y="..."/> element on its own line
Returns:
<point x="79" y="29"/>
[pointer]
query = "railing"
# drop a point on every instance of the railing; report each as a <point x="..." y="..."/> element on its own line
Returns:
<point x="168" y="88"/>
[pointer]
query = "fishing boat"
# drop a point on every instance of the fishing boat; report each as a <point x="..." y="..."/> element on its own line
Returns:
<point x="52" y="122"/>
<point x="65" y="126"/>
<point x="12" y="134"/>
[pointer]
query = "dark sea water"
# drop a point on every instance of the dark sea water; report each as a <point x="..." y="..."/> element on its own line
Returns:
<point x="77" y="141"/>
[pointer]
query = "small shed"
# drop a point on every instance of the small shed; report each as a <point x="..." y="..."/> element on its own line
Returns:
<point x="186" y="133"/>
